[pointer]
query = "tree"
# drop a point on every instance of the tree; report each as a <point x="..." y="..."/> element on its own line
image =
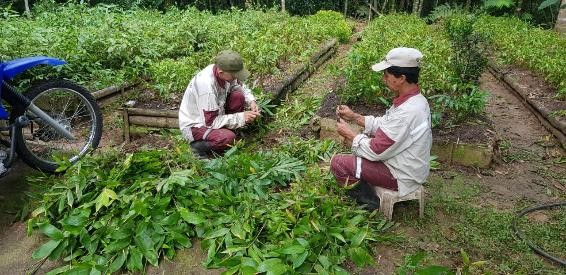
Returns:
<point x="26" y="3"/>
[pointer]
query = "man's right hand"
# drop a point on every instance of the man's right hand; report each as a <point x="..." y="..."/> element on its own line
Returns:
<point x="344" y="112"/>
<point x="249" y="116"/>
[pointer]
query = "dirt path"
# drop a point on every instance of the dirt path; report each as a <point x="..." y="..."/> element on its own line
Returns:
<point x="526" y="169"/>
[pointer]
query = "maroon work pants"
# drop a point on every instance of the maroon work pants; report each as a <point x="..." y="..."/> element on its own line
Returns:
<point x="220" y="139"/>
<point x="375" y="173"/>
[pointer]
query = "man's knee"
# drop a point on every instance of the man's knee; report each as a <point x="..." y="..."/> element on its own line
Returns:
<point x="221" y="138"/>
<point x="339" y="165"/>
<point x="228" y="137"/>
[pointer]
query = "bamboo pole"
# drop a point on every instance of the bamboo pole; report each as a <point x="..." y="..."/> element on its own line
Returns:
<point x="155" y="113"/>
<point x="160" y="122"/>
<point x="106" y="91"/>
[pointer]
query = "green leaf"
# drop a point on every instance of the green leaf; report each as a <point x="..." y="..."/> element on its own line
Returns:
<point x="217" y="233"/>
<point x="70" y="198"/>
<point x="51" y="231"/>
<point x="135" y="260"/>
<point x="106" y="197"/>
<point x="146" y="245"/>
<point x="254" y="253"/>
<point x="232" y="249"/>
<point x="59" y="270"/>
<point x="465" y="257"/>
<point x="547" y="3"/>
<point x="338" y="236"/>
<point x="298" y="260"/>
<point x="211" y="253"/>
<point x="118" y="262"/>
<point x="117" y="245"/>
<point x="272" y="266"/>
<point x="248" y="270"/>
<point x="75" y="223"/>
<point x="340" y="271"/>
<point x="237" y="231"/>
<point x="46" y="249"/>
<point x="293" y="249"/>
<point x="190" y="217"/>
<point x="324" y="261"/>
<point x="359" y="237"/>
<point x="355" y="220"/>
<point x="360" y="256"/>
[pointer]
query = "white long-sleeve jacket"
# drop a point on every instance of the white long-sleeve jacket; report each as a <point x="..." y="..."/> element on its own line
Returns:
<point x="204" y="96"/>
<point x="406" y="132"/>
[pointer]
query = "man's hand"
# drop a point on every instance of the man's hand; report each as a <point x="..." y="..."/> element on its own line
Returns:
<point x="344" y="112"/>
<point x="344" y="130"/>
<point x="254" y="107"/>
<point x="249" y="116"/>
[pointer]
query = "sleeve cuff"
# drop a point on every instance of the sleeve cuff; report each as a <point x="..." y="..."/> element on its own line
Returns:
<point x="356" y="142"/>
<point x="368" y="129"/>
<point x="241" y="119"/>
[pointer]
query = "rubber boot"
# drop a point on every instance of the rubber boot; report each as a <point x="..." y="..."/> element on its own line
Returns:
<point x="364" y="194"/>
<point x="200" y="149"/>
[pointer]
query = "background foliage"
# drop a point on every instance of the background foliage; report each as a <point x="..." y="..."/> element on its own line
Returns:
<point x="529" y="11"/>
<point x="446" y="76"/>
<point x="106" y="45"/>
<point x="517" y="42"/>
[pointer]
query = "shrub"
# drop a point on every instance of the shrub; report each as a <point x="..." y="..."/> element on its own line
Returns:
<point x="441" y="68"/>
<point x="380" y="37"/>
<point x="517" y="42"/>
<point x="469" y="61"/>
<point x="166" y="47"/>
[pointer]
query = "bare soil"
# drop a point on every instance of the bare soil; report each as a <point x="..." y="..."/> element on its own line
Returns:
<point x="539" y="90"/>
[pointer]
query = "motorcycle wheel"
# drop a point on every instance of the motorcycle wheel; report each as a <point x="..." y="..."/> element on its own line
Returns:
<point x="43" y="148"/>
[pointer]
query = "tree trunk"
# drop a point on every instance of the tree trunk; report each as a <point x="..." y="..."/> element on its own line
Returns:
<point x="26" y="3"/>
<point x="560" y="25"/>
<point x="421" y="4"/>
<point x="283" y="5"/>
<point x="346" y="8"/>
<point x="416" y="4"/>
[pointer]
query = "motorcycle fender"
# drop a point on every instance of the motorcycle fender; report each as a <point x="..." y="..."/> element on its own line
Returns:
<point x="10" y="69"/>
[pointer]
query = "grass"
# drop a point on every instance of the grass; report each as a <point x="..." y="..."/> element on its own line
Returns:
<point x="455" y="220"/>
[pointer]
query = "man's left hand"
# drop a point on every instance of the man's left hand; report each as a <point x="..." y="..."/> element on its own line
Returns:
<point x="344" y="130"/>
<point x="254" y="107"/>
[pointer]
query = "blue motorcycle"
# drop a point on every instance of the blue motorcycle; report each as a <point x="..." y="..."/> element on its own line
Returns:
<point x="53" y="122"/>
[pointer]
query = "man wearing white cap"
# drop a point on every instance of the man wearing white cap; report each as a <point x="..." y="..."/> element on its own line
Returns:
<point x="393" y="151"/>
<point x="214" y="103"/>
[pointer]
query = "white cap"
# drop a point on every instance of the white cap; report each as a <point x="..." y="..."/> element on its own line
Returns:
<point x="400" y="57"/>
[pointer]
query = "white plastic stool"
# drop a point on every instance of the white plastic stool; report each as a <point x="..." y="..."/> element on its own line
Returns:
<point x="387" y="198"/>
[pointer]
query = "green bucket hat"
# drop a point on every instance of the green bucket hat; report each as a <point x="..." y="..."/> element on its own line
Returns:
<point x="230" y="61"/>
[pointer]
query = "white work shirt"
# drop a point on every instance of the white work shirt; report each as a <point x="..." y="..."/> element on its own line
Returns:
<point x="204" y="94"/>
<point x="408" y="126"/>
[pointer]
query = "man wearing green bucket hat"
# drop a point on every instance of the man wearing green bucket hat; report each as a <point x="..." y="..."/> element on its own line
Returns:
<point x="214" y="104"/>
